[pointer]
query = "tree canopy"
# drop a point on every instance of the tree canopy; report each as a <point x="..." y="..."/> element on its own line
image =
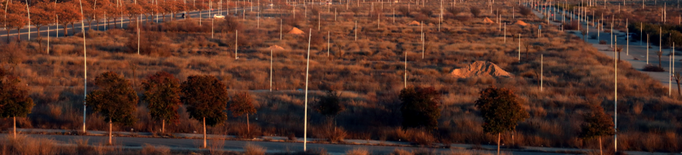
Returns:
<point x="597" y="123"/>
<point x="113" y="98"/>
<point x="420" y="107"/>
<point x="162" y="93"/>
<point x="14" y="99"/>
<point x="501" y="110"/>
<point x="205" y="96"/>
<point x="241" y="104"/>
<point x="330" y="104"/>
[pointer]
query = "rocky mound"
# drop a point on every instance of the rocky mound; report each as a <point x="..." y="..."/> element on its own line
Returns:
<point x="480" y="68"/>
<point x="296" y="31"/>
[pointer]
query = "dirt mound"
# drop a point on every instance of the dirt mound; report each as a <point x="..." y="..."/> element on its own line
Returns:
<point x="520" y="22"/>
<point x="414" y="23"/>
<point x="487" y="20"/>
<point x="276" y="47"/>
<point x="296" y="31"/>
<point x="480" y="68"/>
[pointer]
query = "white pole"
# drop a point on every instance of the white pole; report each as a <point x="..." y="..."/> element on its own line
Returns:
<point x="505" y="32"/>
<point x="405" y="69"/>
<point x="236" y="46"/>
<point x="541" y="70"/>
<point x="329" y="45"/>
<point x="356" y="30"/>
<point x="48" y="39"/>
<point x="271" y="70"/>
<point x="280" y="28"/>
<point x="615" y="99"/>
<point x="29" y="23"/>
<point x="305" y="117"/>
<point x="85" y="66"/>
<point x="138" y="36"/>
<point x="519" y="47"/>
<point x="422" y="37"/>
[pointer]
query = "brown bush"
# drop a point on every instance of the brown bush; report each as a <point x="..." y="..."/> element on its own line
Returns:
<point x="150" y="43"/>
<point x="653" y="68"/>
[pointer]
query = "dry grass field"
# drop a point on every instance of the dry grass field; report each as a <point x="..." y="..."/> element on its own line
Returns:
<point x="369" y="71"/>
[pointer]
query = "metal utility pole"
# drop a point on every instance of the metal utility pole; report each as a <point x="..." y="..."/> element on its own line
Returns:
<point x="85" y="66"/>
<point x="236" y="46"/>
<point x="305" y="118"/>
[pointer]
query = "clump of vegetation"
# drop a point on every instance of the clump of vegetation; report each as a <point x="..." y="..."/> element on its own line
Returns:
<point x="501" y="110"/>
<point x="420" y="107"/>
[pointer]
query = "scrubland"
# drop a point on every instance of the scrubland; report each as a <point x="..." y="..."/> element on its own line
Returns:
<point x="369" y="71"/>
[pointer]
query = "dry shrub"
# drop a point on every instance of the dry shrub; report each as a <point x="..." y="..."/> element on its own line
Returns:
<point x="574" y="25"/>
<point x="404" y="11"/>
<point x="332" y="134"/>
<point x="215" y="146"/>
<point x="653" y="68"/>
<point x="13" y="53"/>
<point x="358" y="151"/>
<point x="229" y="24"/>
<point x="155" y="150"/>
<point x="401" y="152"/>
<point x="417" y="136"/>
<point x="475" y="11"/>
<point x="150" y="43"/>
<point x="251" y="149"/>
<point x="25" y="145"/>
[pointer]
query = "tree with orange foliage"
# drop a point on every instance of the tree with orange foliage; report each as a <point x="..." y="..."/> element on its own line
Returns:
<point x="42" y="13"/>
<point x="16" y="18"/>
<point x="133" y="11"/>
<point x="68" y="14"/>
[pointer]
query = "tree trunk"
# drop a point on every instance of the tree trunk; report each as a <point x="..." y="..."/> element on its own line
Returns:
<point x="678" y="86"/>
<point x="600" y="153"/>
<point x="8" y="38"/>
<point x="659" y="61"/>
<point x="110" y="126"/>
<point x="14" y="119"/>
<point x="18" y="34"/>
<point x="204" y="132"/>
<point x="248" y="128"/>
<point x="38" y="27"/>
<point x="498" y="143"/>
<point x="66" y="26"/>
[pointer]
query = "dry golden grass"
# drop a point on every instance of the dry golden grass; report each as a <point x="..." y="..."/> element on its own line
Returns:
<point x="251" y="149"/>
<point x="358" y="151"/>
<point x="371" y="71"/>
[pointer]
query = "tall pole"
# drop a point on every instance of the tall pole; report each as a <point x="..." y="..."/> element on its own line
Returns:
<point x="236" y="46"/>
<point x="85" y="66"/>
<point x="29" y="23"/>
<point x="615" y="101"/>
<point x="138" y="36"/>
<point x="305" y="118"/>
<point x="541" y="69"/>
<point x="270" y="69"/>
<point x="519" y="47"/>
<point x="328" y="42"/>
<point x="627" y="38"/>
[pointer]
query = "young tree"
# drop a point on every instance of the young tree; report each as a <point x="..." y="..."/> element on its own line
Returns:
<point x="475" y="11"/>
<point x="14" y="99"/>
<point x="162" y="93"/>
<point x="330" y="105"/>
<point x="68" y="14"/>
<point x="114" y="99"/>
<point x="501" y="110"/>
<point x="206" y="99"/>
<point x="659" y="53"/>
<point x="242" y="104"/>
<point x="16" y="18"/>
<point x="42" y="13"/>
<point x="597" y="124"/>
<point x="420" y="107"/>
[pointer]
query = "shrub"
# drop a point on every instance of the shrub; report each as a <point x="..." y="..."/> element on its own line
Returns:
<point x="29" y="146"/>
<point x="475" y="11"/>
<point x="229" y="24"/>
<point x="525" y="11"/>
<point x="150" y="43"/>
<point x="427" y="11"/>
<point x="404" y="11"/>
<point x="358" y="151"/>
<point x="420" y="107"/>
<point x="454" y="11"/>
<point x="602" y="42"/>
<point x="251" y="149"/>
<point x="155" y="150"/>
<point x="653" y="68"/>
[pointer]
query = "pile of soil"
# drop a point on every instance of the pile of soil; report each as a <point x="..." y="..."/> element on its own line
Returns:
<point x="296" y="31"/>
<point x="520" y="22"/>
<point x="487" y="20"/>
<point x="480" y="69"/>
